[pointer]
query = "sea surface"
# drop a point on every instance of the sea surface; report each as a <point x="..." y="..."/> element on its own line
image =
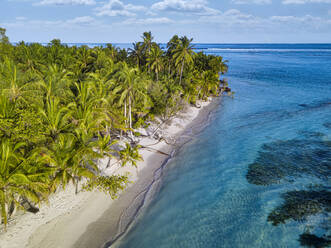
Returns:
<point x="259" y="174"/>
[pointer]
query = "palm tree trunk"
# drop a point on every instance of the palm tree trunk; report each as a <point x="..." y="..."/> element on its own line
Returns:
<point x="130" y="117"/>
<point x="76" y="187"/>
<point x="181" y="73"/>
<point x="157" y="76"/>
<point x="149" y="54"/>
<point x="125" y="113"/>
<point x="4" y="214"/>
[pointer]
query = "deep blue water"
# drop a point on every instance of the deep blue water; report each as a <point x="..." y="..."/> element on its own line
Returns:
<point x="280" y="118"/>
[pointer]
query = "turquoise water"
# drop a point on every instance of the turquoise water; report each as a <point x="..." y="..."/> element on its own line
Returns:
<point x="273" y="138"/>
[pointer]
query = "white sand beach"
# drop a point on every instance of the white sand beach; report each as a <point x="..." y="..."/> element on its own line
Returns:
<point x="89" y="219"/>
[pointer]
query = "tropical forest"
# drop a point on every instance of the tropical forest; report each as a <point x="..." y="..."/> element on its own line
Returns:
<point x="64" y="107"/>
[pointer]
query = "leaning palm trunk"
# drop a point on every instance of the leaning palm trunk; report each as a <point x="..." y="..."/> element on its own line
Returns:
<point x="130" y="118"/>
<point x="3" y="216"/>
<point x="149" y="54"/>
<point x="181" y="73"/>
<point x="125" y="113"/>
<point x="76" y="183"/>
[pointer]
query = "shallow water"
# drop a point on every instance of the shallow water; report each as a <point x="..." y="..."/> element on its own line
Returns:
<point x="277" y="131"/>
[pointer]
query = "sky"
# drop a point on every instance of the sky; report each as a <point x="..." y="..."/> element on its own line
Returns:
<point x="206" y="21"/>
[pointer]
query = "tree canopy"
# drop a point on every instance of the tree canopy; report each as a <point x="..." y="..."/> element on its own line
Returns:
<point x="64" y="107"/>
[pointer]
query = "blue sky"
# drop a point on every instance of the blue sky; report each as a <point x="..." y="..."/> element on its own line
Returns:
<point x="213" y="21"/>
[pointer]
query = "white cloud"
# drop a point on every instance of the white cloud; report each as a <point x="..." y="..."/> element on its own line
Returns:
<point x="185" y="6"/>
<point x="297" y="19"/>
<point x="81" y="21"/>
<point x="305" y="1"/>
<point x="118" y="8"/>
<point x="149" y="21"/>
<point x="251" y="1"/>
<point x="66" y="2"/>
<point x="235" y="20"/>
<point x="301" y="23"/>
<point x="233" y="17"/>
<point x="20" y="18"/>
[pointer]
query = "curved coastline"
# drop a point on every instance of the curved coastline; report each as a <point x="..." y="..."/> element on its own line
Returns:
<point x="98" y="221"/>
<point x="197" y="126"/>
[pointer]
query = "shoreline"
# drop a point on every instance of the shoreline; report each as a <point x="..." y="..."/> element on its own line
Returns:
<point x="194" y="127"/>
<point x="93" y="219"/>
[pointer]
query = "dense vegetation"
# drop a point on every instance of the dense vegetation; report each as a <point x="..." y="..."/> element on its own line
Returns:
<point x="62" y="108"/>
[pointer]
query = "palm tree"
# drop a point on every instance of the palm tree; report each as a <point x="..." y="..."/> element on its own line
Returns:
<point x="208" y="82"/>
<point x="84" y="113"/>
<point x="137" y="52"/>
<point x="155" y="61"/>
<point x="69" y="160"/>
<point x="7" y="108"/>
<point x="5" y="47"/>
<point x="3" y="37"/>
<point x="183" y="54"/>
<point x="219" y="65"/>
<point x="223" y="66"/>
<point x="13" y="83"/>
<point x="111" y="51"/>
<point x="130" y="155"/>
<point x="27" y="59"/>
<point x="54" y="52"/>
<point x="171" y="46"/>
<point x="18" y="178"/>
<point x="147" y="44"/>
<point x="54" y="82"/>
<point x="104" y="101"/>
<point x="55" y="116"/>
<point x="131" y="87"/>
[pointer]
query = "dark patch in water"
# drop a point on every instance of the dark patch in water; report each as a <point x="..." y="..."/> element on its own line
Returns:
<point x="317" y="104"/>
<point x="311" y="240"/>
<point x="300" y="204"/>
<point x="253" y="119"/>
<point x="311" y="134"/>
<point x="283" y="160"/>
<point x="327" y="125"/>
<point x="288" y="160"/>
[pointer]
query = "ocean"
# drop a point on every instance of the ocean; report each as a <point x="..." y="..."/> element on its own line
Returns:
<point x="259" y="174"/>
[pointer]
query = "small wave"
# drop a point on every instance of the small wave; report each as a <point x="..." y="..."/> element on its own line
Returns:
<point x="261" y="50"/>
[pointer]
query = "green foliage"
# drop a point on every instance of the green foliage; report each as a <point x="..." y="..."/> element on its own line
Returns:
<point x="62" y="108"/>
<point x="21" y="176"/>
<point x="3" y="38"/>
<point x="130" y="155"/>
<point x="109" y="185"/>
